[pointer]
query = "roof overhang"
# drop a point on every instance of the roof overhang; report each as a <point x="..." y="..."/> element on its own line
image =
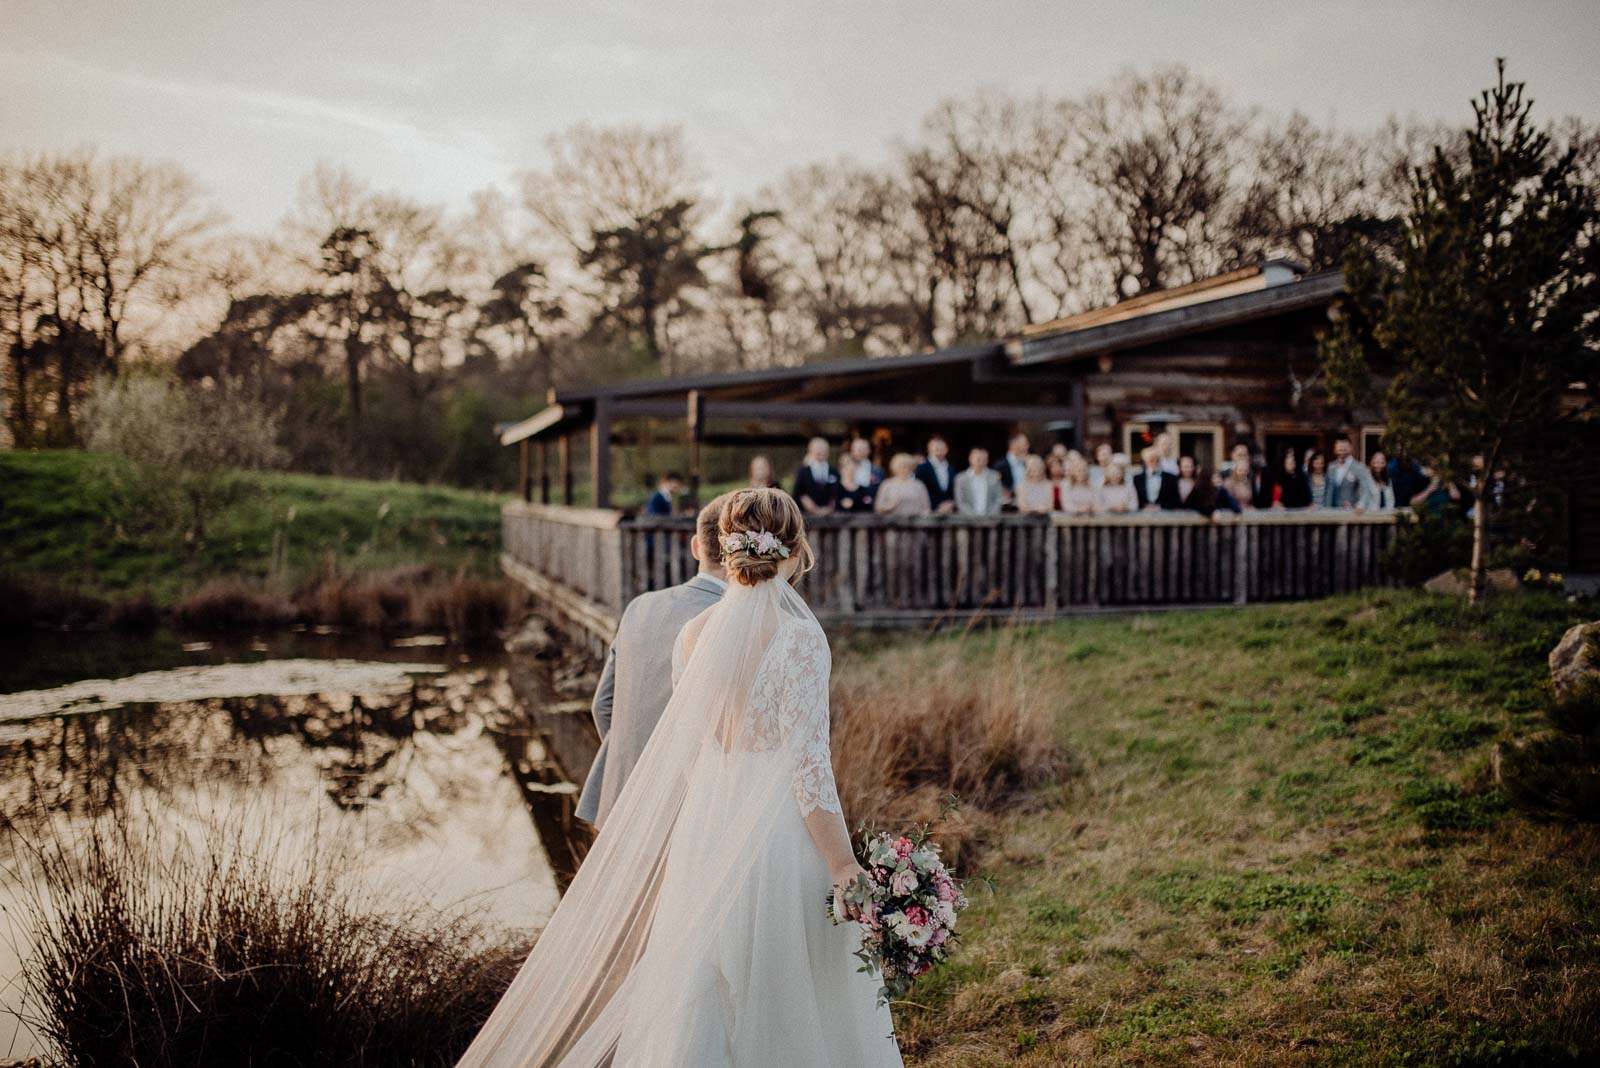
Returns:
<point x="1157" y="326"/>
<point x="534" y="425"/>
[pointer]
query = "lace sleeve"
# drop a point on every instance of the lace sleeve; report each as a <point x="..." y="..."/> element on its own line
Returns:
<point x="797" y="687"/>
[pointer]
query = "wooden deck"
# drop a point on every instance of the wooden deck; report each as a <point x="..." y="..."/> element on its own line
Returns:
<point x="883" y="571"/>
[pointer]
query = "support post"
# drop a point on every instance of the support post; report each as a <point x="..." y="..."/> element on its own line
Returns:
<point x="544" y="472"/>
<point x="525" y="470"/>
<point x="600" y="453"/>
<point x="697" y="424"/>
<point x="565" y="449"/>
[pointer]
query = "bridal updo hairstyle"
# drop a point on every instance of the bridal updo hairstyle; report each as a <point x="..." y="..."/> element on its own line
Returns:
<point x="750" y="511"/>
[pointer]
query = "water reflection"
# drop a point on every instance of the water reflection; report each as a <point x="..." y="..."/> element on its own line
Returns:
<point x="438" y="786"/>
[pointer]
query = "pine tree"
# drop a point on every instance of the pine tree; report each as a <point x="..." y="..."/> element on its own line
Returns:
<point x="1487" y="315"/>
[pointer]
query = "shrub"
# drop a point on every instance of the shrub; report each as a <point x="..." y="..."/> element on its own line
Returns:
<point x="225" y="955"/>
<point x="172" y="450"/>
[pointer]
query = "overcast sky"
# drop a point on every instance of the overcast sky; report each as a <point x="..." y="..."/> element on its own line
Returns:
<point x="439" y="99"/>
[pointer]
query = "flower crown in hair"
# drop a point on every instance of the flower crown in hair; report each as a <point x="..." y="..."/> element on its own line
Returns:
<point x="758" y="543"/>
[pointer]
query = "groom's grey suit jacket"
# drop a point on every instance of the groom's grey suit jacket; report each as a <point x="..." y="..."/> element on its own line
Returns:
<point x="636" y="685"/>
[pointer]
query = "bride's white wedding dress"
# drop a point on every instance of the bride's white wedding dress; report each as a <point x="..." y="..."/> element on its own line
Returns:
<point x="696" y="933"/>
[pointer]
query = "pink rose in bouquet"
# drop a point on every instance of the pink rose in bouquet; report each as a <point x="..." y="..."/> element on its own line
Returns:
<point x="907" y="903"/>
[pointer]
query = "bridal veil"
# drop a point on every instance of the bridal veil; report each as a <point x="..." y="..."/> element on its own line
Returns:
<point x="752" y="687"/>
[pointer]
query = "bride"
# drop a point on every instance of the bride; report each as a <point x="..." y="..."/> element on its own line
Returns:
<point x="696" y="933"/>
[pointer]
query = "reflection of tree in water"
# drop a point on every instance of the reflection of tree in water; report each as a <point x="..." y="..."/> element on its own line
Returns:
<point x="409" y="750"/>
<point x="362" y="745"/>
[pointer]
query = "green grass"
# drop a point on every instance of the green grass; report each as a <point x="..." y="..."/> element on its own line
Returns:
<point x="1281" y="844"/>
<point x="55" y="525"/>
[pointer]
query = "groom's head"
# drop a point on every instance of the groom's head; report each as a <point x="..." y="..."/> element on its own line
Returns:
<point x="707" y="543"/>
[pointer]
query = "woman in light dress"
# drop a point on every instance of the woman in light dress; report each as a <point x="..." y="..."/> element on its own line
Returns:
<point x="1116" y="495"/>
<point x="696" y="934"/>
<point x="1078" y="497"/>
<point x="1036" y="495"/>
<point x="901" y="493"/>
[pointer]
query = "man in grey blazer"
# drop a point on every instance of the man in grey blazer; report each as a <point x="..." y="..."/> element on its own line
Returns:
<point x="637" y="680"/>
<point x="978" y="488"/>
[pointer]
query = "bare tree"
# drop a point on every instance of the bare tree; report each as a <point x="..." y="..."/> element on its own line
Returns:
<point x="141" y="225"/>
<point x="844" y="232"/>
<point x="627" y="201"/>
<point x="1313" y="190"/>
<point x="972" y="177"/>
<point x="1158" y="152"/>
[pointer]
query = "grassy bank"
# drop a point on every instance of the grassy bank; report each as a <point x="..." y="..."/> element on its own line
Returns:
<point x="277" y="534"/>
<point x="1278" y="841"/>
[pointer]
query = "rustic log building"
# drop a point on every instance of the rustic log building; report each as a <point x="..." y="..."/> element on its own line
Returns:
<point x="1226" y="359"/>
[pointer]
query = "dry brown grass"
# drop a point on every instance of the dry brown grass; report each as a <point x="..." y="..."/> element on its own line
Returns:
<point x="225" y="603"/>
<point x="468" y="608"/>
<point x="911" y="731"/>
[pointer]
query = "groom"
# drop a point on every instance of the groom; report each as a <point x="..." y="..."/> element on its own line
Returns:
<point x="637" y="680"/>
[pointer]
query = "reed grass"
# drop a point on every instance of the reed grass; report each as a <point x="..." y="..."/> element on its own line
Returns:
<point x="223" y="953"/>
<point x="913" y="732"/>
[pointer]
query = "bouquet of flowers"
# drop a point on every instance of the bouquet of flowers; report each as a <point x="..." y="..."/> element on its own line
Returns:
<point x="907" y="903"/>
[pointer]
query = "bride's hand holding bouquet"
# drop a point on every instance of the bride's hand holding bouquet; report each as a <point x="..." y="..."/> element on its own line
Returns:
<point x="907" y="903"/>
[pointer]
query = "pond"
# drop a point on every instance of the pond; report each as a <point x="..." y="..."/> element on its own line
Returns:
<point x="413" y="760"/>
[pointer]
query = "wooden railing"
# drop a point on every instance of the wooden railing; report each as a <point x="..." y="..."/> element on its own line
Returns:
<point x="881" y="569"/>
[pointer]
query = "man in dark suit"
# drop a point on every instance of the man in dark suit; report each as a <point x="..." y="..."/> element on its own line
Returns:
<point x="936" y="474"/>
<point x="1013" y="468"/>
<point x="816" y="483"/>
<point x="1156" y="488"/>
<point x="664" y="500"/>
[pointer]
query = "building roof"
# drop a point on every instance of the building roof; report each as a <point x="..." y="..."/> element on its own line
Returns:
<point x="1273" y="287"/>
<point x="1236" y="297"/>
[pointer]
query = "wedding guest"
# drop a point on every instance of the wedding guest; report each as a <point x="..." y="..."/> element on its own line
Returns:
<point x="1347" y="476"/>
<point x="1405" y="476"/>
<point x="902" y="493"/>
<point x="1194" y="489"/>
<point x="1058" y="451"/>
<point x="1036" y="494"/>
<point x="664" y="500"/>
<point x="1166" y="445"/>
<point x="856" y="490"/>
<point x="1290" y="489"/>
<point x="1436" y="494"/>
<point x="1102" y="460"/>
<point x="1157" y="488"/>
<point x="761" y="473"/>
<point x="1014" y="467"/>
<point x="1055" y="470"/>
<point x="1379" y="495"/>
<point x="1317" y="477"/>
<point x="867" y="472"/>
<point x="1243" y="488"/>
<point x="1078" y="497"/>
<point x="978" y="488"/>
<point x="816" y="483"/>
<point x="1116" y="495"/>
<point x="937" y="475"/>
